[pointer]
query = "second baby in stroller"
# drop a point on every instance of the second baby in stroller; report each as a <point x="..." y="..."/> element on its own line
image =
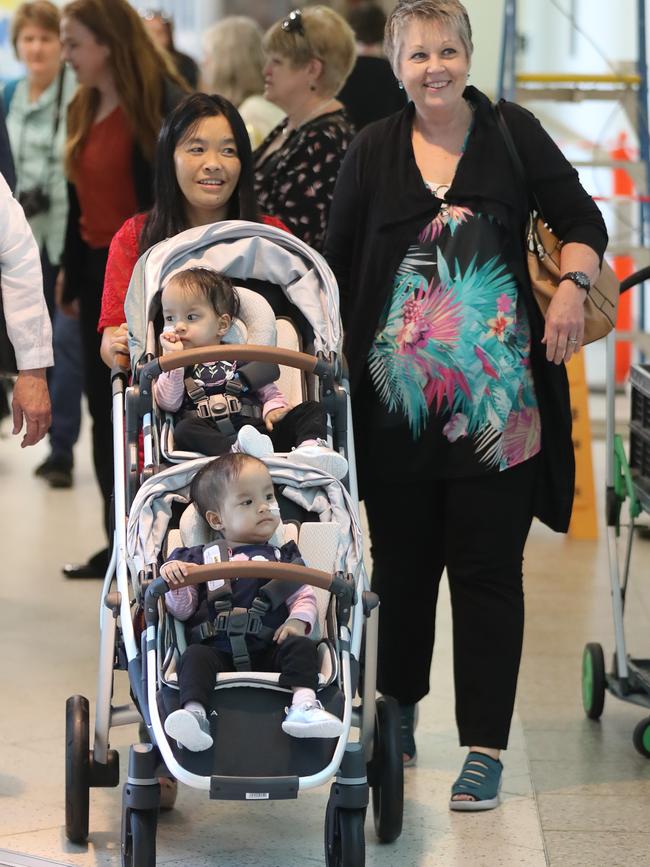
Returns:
<point x="223" y="406"/>
<point x="235" y="495"/>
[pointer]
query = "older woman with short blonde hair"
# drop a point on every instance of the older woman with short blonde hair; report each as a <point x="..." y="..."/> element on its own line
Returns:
<point x="459" y="387"/>
<point x="310" y="53"/>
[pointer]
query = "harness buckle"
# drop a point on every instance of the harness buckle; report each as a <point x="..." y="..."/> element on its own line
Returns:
<point x="254" y="624"/>
<point x="237" y="622"/>
<point x="235" y="387"/>
<point x="207" y="630"/>
<point x="218" y="406"/>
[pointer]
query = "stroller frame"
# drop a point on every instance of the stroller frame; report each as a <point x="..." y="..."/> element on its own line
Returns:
<point x="374" y="762"/>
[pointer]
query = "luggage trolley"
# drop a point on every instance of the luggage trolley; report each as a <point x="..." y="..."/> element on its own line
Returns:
<point x="626" y="480"/>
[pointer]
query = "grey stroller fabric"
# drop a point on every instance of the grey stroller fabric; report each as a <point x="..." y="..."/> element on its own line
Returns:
<point x="243" y="250"/>
<point x="311" y="489"/>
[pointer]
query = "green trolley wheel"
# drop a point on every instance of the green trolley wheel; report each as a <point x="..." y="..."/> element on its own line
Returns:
<point x="594" y="681"/>
<point x="641" y="737"/>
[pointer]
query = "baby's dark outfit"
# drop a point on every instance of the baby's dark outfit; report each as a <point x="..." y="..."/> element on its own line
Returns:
<point x="296" y="658"/>
<point x="192" y="432"/>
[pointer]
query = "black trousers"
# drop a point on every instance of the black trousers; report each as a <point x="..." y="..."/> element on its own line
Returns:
<point x="97" y="380"/>
<point x="477" y="529"/>
<point x="296" y="659"/>
<point x="306" y="421"/>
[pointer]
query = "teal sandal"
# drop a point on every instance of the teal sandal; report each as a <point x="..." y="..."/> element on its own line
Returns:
<point x="480" y="778"/>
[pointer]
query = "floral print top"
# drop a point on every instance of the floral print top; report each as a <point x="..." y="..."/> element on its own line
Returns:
<point x="449" y="365"/>
<point x="296" y="182"/>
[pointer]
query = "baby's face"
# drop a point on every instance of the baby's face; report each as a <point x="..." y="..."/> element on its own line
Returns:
<point x="249" y="513"/>
<point x="191" y="317"/>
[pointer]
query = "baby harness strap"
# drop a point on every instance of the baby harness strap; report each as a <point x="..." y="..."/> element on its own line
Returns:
<point x="237" y="623"/>
<point x="219" y="407"/>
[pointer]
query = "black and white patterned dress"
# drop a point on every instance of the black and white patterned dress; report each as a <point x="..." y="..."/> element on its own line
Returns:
<point x="296" y="181"/>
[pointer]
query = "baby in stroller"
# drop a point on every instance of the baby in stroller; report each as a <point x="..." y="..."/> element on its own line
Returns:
<point x="235" y="495"/>
<point x="222" y="405"/>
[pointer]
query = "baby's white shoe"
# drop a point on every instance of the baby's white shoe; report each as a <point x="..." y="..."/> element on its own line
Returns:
<point x="322" y="457"/>
<point x="190" y="729"/>
<point x="251" y="442"/>
<point x="311" y="720"/>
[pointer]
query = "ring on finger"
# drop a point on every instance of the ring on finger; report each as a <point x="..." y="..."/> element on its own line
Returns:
<point x="572" y="340"/>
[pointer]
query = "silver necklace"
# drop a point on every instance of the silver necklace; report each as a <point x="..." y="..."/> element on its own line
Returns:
<point x="310" y="116"/>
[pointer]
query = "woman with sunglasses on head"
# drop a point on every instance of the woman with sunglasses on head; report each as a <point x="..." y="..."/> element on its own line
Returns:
<point x="126" y="89"/>
<point x="309" y="56"/>
<point x="204" y="174"/>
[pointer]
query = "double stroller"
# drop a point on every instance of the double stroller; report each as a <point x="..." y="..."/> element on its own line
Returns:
<point x="288" y="295"/>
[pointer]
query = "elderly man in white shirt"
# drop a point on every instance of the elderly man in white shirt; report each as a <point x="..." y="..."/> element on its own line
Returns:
<point x="28" y="322"/>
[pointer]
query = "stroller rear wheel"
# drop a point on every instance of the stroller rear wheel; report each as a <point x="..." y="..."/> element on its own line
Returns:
<point x="139" y="838"/>
<point x="386" y="771"/>
<point x="594" y="681"/>
<point x="345" y="843"/>
<point x="77" y="768"/>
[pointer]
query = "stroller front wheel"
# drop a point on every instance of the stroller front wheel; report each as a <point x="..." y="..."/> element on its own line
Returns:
<point x="139" y="838"/>
<point x="77" y="768"/>
<point x="345" y="843"/>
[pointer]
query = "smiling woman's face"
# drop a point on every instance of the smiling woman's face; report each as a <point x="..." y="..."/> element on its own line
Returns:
<point x="433" y="65"/>
<point x="81" y="50"/>
<point x="207" y="170"/>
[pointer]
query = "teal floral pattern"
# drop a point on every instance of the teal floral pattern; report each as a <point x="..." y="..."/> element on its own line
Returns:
<point x="454" y="343"/>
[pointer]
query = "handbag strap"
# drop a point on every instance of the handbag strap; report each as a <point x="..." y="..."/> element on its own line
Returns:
<point x="520" y="171"/>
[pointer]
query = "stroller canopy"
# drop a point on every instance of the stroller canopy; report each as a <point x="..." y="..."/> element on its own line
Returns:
<point x="241" y="250"/>
<point x="310" y="489"/>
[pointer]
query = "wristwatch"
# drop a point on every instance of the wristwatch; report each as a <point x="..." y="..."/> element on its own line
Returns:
<point x="581" y="279"/>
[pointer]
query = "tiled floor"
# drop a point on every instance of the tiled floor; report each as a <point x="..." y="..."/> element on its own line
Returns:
<point x="576" y="793"/>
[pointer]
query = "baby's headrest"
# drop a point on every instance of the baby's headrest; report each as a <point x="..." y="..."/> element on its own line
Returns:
<point x="194" y="529"/>
<point x="256" y="321"/>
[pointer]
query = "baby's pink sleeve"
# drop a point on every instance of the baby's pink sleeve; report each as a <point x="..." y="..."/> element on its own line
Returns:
<point x="302" y="606"/>
<point x="169" y="389"/>
<point x="181" y="602"/>
<point x="272" y="398"/>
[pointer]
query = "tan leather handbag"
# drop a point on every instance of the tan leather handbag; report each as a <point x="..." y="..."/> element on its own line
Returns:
<point x="601" y="304"/>
<point x="543" y="257"/>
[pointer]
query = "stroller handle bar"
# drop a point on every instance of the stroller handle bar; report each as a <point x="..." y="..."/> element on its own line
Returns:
<point x="233" y="352"/>
<point x="341" y="587"/>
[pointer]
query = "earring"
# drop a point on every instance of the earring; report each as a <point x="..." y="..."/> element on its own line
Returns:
<point x="400" y="84"/>
<point x="312" y="87"/>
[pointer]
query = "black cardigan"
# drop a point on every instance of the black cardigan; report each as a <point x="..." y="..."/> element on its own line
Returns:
<point x="381" y="203"/>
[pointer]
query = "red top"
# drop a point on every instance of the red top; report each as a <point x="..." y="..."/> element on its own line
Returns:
<point x="124" y="252"/>
<point x="104" y="179"/>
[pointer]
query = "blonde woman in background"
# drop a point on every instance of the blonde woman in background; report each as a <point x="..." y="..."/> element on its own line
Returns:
<point x="232" y="67"/>
<point x="310" y="53"/>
